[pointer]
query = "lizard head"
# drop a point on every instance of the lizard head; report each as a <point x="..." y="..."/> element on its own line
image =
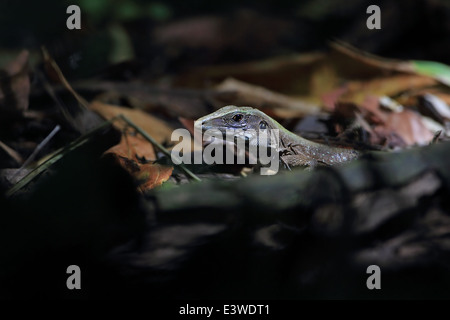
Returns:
<point x="239" y="122"/>
<point x="233" y="118"/>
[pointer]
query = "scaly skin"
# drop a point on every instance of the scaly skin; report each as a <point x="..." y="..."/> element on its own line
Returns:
<point x="294" y="150"/>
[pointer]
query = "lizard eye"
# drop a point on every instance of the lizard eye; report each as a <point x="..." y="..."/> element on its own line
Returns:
<point x="237" y="117"/>
<point x="263" y="125"/>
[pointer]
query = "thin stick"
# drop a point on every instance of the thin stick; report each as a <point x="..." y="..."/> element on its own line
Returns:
<point x="36" y="151"/>
<point x="160" y="147"/>
<point x="12" y="153"/>
<point x="56" y="156"/>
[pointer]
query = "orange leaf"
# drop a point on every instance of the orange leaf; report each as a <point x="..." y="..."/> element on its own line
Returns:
<point x="133" y="148"/>
<point x="155" y="127"/>
<point x="148" y="175"/>
<point x="131" y="153"/>
<point x="153" y="175"/>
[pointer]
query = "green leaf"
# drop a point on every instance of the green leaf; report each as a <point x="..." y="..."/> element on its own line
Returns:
<point x="433" y="69"/>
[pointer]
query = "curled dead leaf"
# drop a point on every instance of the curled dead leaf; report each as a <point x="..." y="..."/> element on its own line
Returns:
<point x="133" y="147"/>
<point x="153" y="175"/>
<point x="132" y="153"/>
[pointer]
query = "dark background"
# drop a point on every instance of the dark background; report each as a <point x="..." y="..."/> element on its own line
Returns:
<point x="411" y="29"/>
<point x="77" y="216"/>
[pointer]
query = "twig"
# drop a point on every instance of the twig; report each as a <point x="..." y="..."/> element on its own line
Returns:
<point x="12" y="153"/>
<point x="56" y="157"/>
<point x="160" y="147"/>
<point x="36" y="151"/>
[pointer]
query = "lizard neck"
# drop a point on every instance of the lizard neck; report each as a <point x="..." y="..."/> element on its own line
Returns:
<point x="312" y="151"/>
<point x="287" y="137"/>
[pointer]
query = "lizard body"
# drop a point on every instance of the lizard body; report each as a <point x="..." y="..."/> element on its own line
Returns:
<point x="294" y="150"/>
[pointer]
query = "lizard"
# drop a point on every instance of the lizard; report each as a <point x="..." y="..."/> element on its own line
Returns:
<point x="244" y="122"/>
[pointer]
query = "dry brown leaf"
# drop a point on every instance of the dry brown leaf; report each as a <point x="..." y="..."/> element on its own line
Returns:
<point x="357" y="90"/>
<point x="15" y="88"/>
<point x="156" y="128"/>
<point x="330" y="99"/>
<point x="133" y="147"/>
<point x="360" y="61"/>
<point x="132" y="153"/>
<point x="131" y="150"/>
<point x="74" y="109"/>
<point x="400" y="129"/>
<point x="370" y="108"/>
<point x="411" y="98"/>
<point x="245" y="94"/>
<point x="396" y="129"/>
<point x="173" y="102"/>
<point x="409" y="126"/>
<point x="149" y="175"/>
<point x="289" y="74"/>
<point x="356" y="63"/>
<point x="324" y="79"/>
<point x="153" y="175"/>
<point x="55" y="74"/>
